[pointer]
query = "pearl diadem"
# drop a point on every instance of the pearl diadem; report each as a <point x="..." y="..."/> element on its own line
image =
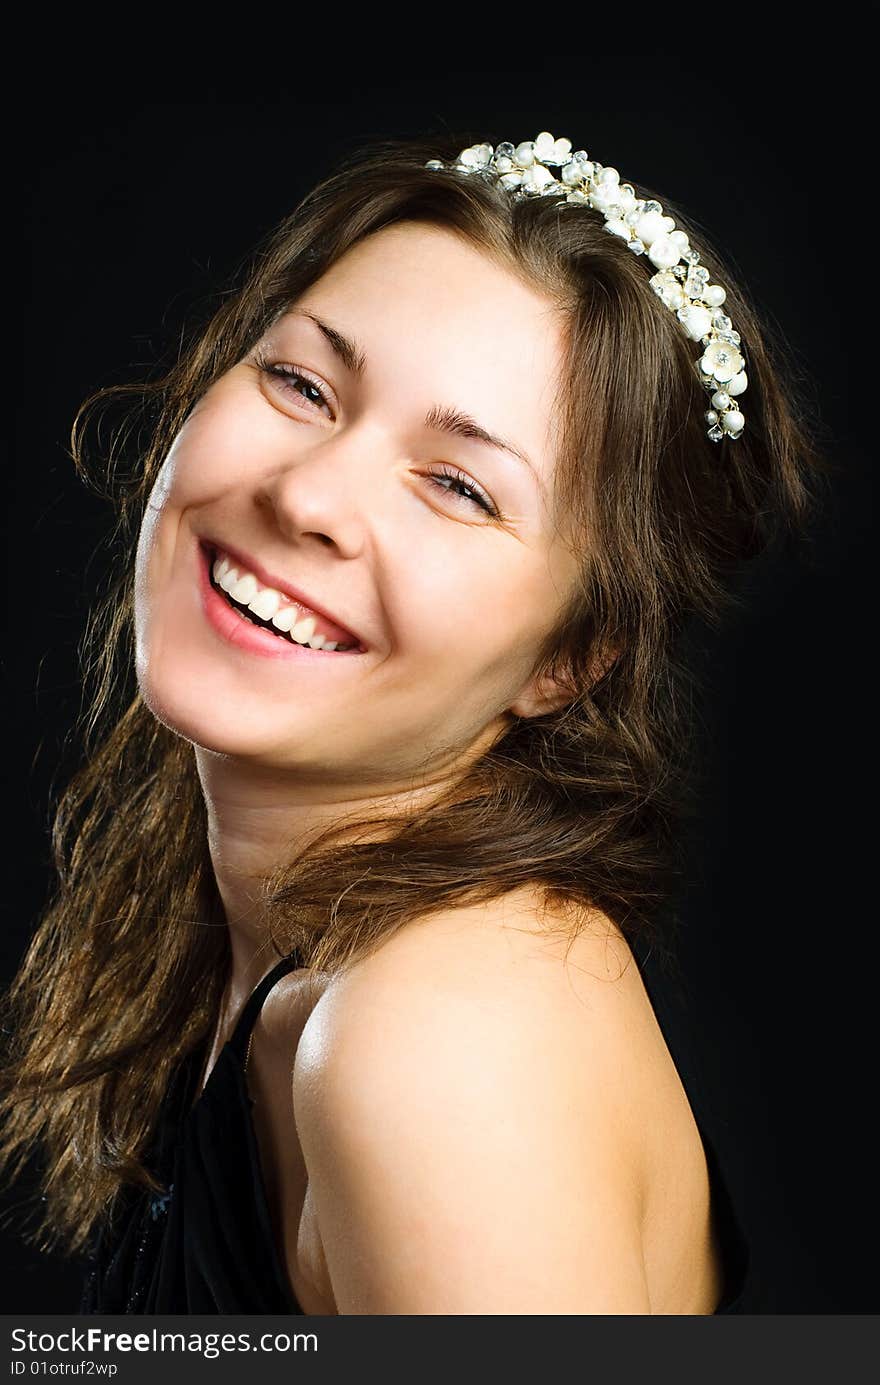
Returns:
<point x="680" y="281"/>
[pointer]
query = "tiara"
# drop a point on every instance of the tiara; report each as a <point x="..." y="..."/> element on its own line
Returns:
<point x="681" y="282"/>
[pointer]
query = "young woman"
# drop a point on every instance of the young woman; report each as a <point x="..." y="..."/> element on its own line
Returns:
<point x="355" y="994"/>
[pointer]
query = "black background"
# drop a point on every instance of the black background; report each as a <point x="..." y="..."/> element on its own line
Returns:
<point x="133" y="206"/>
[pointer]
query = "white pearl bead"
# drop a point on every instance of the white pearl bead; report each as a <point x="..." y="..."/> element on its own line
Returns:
<point x="679" y="238"/>
<point x="711" y="416"/>
<point x="721" y="399"/>
<point x="609" y="175"/>
<point x="649" y="227"/>
<point x="732" y="421"/>
<point x="738" y="384"/>
<point x="525" y="154"/>
<point x="663" y="253"/>
<point x="714" y="295"/>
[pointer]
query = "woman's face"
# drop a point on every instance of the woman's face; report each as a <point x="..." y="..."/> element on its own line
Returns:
<point x="339" y="485"/>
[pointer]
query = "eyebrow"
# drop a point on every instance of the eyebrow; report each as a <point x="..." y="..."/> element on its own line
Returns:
<point x="441" y="418"/>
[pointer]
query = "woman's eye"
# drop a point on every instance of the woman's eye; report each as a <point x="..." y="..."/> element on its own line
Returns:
<point x="293" y="379"/>
<point x="464" y="487"/>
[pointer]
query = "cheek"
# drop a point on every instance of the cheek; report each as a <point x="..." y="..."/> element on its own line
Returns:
<point x="226" y="440"/>
<point x="484" y="616"/>
<point x="207" y="460"/>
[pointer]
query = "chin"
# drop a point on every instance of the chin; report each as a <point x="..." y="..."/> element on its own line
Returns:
<point x="185" y="714"/>
<point x="221" y="725"/>
<point x="215" y="733"/>
<point x="180" y="699"/>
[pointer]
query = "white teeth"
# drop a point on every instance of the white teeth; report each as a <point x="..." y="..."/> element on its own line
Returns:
<point x="303" y="631"/>
<point x="269" y="604"/>
<point x="244" y="589"/>
<point x="265" y="603"/>
<point x="285" y="618"/>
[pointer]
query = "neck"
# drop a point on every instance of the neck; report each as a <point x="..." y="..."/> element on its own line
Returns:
<point x="258" y="819"/>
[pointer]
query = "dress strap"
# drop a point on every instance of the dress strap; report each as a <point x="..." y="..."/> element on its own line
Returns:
<point x="247" y="1019"/>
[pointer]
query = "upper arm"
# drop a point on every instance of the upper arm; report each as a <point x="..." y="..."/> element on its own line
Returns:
<point x="465" y="1153"/>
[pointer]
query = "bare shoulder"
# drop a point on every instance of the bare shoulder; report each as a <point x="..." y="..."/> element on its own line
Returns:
<point x="457" y="1093"/>
<point x="509" y="971"/>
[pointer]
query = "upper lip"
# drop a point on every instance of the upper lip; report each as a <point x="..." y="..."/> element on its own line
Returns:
<point x="268" y="579"/>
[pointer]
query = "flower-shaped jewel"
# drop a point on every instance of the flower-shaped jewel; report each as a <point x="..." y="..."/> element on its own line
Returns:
<point x="550" y="150"/>
<point x="681" y="283"/>
<point x="722" y="360"/>
<point x="477" y="156"/>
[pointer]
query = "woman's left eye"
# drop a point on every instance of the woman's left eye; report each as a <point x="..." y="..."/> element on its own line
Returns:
<point x="463" y="486"/>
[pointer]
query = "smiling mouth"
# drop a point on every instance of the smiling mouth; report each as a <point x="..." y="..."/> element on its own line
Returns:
<point x="247" y="614"/>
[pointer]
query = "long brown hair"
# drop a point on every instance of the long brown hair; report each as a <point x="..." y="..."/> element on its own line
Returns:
<point x="124" y="975"/>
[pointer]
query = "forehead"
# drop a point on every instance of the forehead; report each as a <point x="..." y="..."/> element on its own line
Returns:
<point x="449" y="325"/>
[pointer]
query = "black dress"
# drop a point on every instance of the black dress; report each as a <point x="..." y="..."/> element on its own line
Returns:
<point x="207" y="1246"/>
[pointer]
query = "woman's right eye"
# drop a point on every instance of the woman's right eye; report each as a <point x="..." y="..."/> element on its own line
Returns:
<point x="290" y="377"/>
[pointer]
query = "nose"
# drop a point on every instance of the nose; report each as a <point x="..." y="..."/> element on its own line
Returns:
<point x="321" y="494"/>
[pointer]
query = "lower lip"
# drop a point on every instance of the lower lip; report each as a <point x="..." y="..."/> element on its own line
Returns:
<point x="243" y="634"/>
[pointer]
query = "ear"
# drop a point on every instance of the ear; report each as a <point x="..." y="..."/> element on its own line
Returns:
<point x="540" y="696"/>
<point x="545" y="693"/>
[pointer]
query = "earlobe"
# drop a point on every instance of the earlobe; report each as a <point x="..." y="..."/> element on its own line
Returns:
<point x="547" y="693"/>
